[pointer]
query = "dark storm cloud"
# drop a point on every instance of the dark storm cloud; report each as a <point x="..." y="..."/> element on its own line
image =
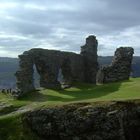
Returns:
<point x="63" y="25"/>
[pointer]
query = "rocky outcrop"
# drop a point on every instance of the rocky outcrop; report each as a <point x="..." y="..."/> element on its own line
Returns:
<point x="120" y="67"/>
<point x="74" y="67"/>
<point x="103" y="121"/>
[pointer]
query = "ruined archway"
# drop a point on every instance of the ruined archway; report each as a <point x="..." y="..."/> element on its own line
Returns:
<point x="25" y="75"/>
<point x="64" y="73"/>
<point x="36" y="77"/>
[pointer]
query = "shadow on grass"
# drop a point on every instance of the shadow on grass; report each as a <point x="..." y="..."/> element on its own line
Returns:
<point x="79" y="91"/>
<point x="35" y="96"/>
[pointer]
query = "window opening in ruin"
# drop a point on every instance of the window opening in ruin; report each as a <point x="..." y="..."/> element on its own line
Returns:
<point x="60" y="77"/>
<point x="36" y="78"/>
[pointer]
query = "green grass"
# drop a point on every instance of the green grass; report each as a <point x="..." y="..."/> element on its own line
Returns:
<point x="11" y="127"/>
<point x="80" y="92"/>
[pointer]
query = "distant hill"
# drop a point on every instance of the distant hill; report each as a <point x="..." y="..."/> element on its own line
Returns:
<point x="136" y="66"/>
<point x="8" y="67"/>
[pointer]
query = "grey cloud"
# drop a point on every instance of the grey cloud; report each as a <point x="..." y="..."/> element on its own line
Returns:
<point x="64" y="24"/>
<point x="109" y="17"/>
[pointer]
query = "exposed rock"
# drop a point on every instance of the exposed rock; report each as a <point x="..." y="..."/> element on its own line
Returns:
<point x="120" y="67"/>
<point x="74" y="67"/>
<point x="115" y="121"/>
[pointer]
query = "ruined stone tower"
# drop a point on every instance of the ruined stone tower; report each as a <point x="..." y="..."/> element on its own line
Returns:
<point x="119" y="69"/>
<point x="89" y="53"/>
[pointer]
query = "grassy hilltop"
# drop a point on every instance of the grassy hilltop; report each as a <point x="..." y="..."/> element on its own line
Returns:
<point x="11" y="127"/>
<point x="80" y="92"/>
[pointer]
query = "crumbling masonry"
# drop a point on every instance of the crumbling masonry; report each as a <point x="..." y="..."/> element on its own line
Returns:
<point x="75" y="67"/>
<point x="119" y="69"/>
<point x="81" y="67"/>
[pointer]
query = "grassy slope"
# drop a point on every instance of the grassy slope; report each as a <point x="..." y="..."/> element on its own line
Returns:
<point x="11" y="127"/>
<point x="79" y="92"/>
<point x="88" y="92"/>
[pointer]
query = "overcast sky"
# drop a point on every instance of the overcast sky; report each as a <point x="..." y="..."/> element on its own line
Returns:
<point x="64" y="25"/>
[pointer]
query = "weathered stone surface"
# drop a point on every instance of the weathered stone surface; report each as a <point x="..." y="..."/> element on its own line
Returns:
<point x="75" y="67"/>
<point x="120" y="67"/>
<point x="89" y="53"/>
<point x="114" y="121"/>
<point x="25" y="74"/>
<point x="48" y="63"/>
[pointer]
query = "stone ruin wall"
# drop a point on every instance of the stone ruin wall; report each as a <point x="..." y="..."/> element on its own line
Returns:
<point x="119" y="69"/>
<point x="75" y="67"/>
<point x="81" y="67"/>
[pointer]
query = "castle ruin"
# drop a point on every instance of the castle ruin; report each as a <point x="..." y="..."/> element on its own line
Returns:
<point x="119" y="69"/>
<point x="74" y="67"/>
